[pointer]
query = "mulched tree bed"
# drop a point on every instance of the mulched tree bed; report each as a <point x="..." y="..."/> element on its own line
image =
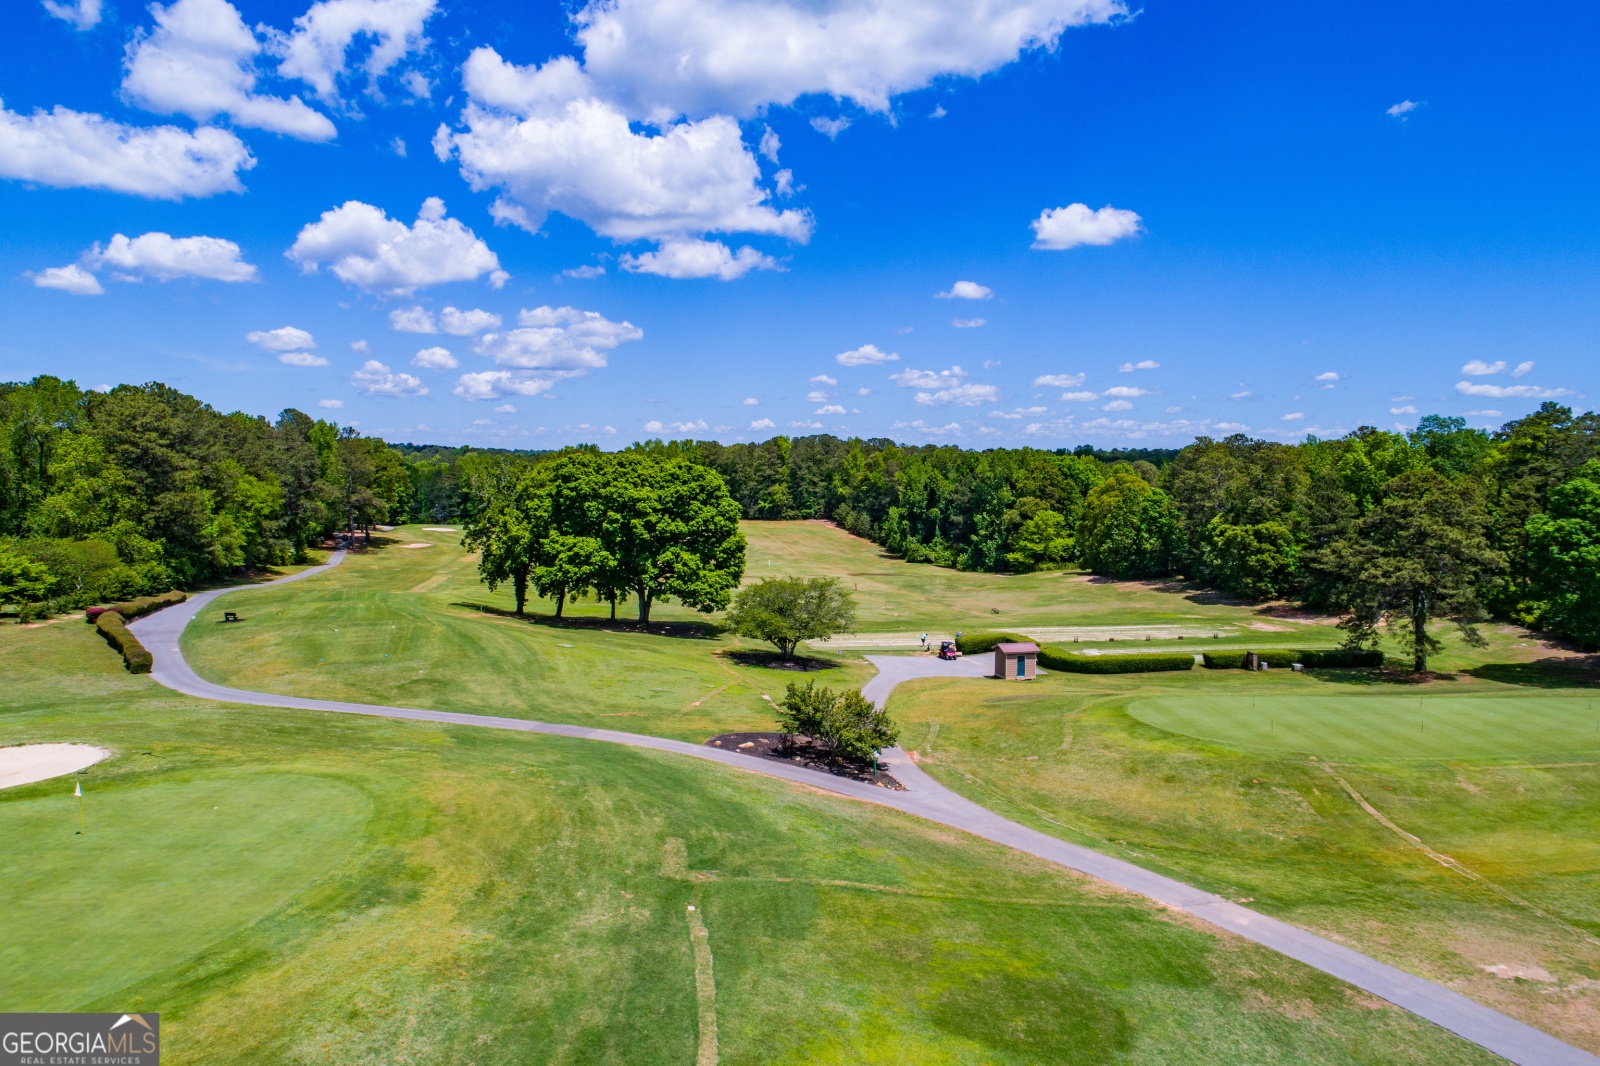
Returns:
<point x="803" y="751"/>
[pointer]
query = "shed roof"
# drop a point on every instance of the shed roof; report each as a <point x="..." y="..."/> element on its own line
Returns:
<point x="1018" y="649"/>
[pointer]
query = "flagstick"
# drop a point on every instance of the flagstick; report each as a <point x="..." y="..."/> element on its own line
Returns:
<point x="78" y="791"/>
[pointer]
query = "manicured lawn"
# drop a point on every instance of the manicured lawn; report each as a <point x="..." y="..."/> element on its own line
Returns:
<point x="308" y="887"/>
<point x="1388" y="726"/>
<point x="1219" y="778"/>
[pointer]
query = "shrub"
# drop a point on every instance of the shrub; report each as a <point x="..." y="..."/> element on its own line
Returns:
<point x="1052" y="658"/>
<point x="1279" y="658"/>
<point x="1341" y="657"/>
<point x="841" y="722"/>
<point x="978" y="643"/>
<point x="1224" y="660"/>
<point x="136" y="656"/>
<point x="137" y="608"/>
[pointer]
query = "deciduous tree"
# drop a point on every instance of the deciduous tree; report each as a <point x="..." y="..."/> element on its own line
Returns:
<point x="786" y="610"/>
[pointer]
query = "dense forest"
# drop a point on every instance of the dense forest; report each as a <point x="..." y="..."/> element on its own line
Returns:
<point x="143" y="488"/>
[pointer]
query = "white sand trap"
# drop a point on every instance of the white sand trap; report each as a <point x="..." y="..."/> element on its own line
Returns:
<point x="440" y="529"/>
<point x="418" y="544"/>
<point x="39" y="762"/>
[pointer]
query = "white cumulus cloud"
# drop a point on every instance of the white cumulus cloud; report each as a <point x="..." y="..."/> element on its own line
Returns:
<point x="829" y="409"/>
<point x="72" y="278"/>
<point x="375" y="379"/>
<point x="72" y="149"/>
<point x="1118" y="405"/>
<point x="435" y="359"/>
<point x="317" y="50"/>
<point x="763" y="423"/>
<point x="966" y="290"/>
<point x="698" y="259"/>
<point x="968" y="323"/>
<point x="1406" y="409"/>
<point x="1143" y="364"/>
<point x="199" y="61"/>
<point x="412" y="320"/>
<point x="1126" y="391"/>
<point x="331" y="405"/>
<point x="82" y="15"/>
<point x="1478" y="368"/>
<point x="1508" y="392"/>
<point x="302" y="359"/>
<point x="460" y="323"/>
<point x="824" y="379"/>
<point x="1058" y="381"/>
<point x="1060" y="228"/>
<point x="928" y="379"/>
<point x="365" y="247"/>
<point x="1522" y="368"/>
<point x="550" y="345"/>
<point x="1080" y="397"/>
<point x="866" y="355"/>
<point x="164" y="257"/>
<point x="282" y="339"/>
<point x="1402" y="109"/>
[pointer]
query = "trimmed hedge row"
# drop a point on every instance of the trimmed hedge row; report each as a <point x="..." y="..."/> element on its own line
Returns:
<point x="978" y="643"/>
<point x="1052" y="658"/>
<point x="135" y="655"/>
<point x="1283" y="659"/>
<point x="137" y="608"/>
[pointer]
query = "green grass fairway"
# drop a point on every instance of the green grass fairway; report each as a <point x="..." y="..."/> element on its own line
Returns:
<point x="371" y="891"/>
<point x="1386" y="727"/>
<point x="164" y="870"/>
<point x="1206" y="776"/>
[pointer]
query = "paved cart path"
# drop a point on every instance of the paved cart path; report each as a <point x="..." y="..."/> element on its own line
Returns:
<point x="926" y="798"/>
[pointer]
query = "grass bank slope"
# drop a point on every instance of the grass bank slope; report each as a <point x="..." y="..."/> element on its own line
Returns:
<point x="308" y="887"/>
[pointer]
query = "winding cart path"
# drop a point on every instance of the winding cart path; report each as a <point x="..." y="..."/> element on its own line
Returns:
<point x="926" y="798"/>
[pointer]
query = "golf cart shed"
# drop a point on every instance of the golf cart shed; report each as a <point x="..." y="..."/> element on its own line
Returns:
<point x="1016" y="662"/>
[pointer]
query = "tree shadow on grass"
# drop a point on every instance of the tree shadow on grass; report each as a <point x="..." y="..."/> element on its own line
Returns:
<point x="679" y="630"/>
<point x="1386" y="677"/>
<point x="1553" y="672"/>
<point x="771" y="660"/>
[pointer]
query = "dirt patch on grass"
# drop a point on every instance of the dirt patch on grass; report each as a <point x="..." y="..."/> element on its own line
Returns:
<point x="804" y="752"/>
<point x="771" y="660"/>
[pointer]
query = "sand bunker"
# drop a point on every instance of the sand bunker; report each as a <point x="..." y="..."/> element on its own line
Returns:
<point x="40" y="762"/>
<point x="440" y="529"/>
<point x="418" y="544"/>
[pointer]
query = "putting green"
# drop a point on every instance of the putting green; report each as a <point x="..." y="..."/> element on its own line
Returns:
<point x="1385" y="727"/>
<point x="163" y="871"/>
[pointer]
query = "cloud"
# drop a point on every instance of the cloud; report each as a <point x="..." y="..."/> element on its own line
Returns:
<point x="466" y="323"/>
<point x="316" y="50"/>
<point x="1487" y="413"/>
<point x="331" y="405"/>
<point x="1403" y="109"/>
<point x="763" y="423"/>
<point x="164" y="257"/>
<point x="1143" y="364"/>
<point x="199" y="60"/>
<point x="358" y="346"/>
<point x="1060" y="228"/>
<point x="435" y="359"/>
<point x="1058" y="381"/>
<point x="830" y="127"/>
<point x="366" y="247"/>
<point x="803" y="424"/>
<point x="1478" y="368"/>
<point x="769" y="145"/>
<point x="1293" y="416"/>
<point x="829" y="409"/>
<point x="82" y="15"/>
<point x="1118" y="405"/>
<point x="1508" y="392"/>
<point x="71" y="149"/>
<point x="698" y="259"/>
<point x="751" y="401"/>
<point x="1407" y="409"/>
<point x="1080" y="397"/>
<point x="1126" y="391"/>
<point x="1242" y="394"/>
<point x="666" y="57"/>
<point x="550" y="345"/>
<point x="535" y="134"/>
<point x="1522" y="368"/>
<point x="968" y="323"/>
<point x="1328" y="376"/>
<point x="966" y="290"/>
<point x="951" y="429"/>
<point x="866" y="355"/>
<point x="412" y="320"/>
<point x="73" y="279"/>
<point x="927" y="379"/>
<point x="816" y="396"/>
<point x="823" y="379"/>
<point x="945" y="387"/>
<point x="375" y="379"/>
<point x="397" y="145"/>
<point x="302" y="359"/>
<point x="282" y="339"/>
<point x="585" y="272"/>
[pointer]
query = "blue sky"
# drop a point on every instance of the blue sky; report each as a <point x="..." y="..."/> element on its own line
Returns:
<point x="733" y="218"/>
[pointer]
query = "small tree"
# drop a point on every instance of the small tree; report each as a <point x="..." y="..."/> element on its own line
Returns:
<point x="842" y="723"/>
<point x="1044" y="541"/>
<point x="1564" y="553"/>
<point x="22" y="581"/>
<point x="786" y="610"/>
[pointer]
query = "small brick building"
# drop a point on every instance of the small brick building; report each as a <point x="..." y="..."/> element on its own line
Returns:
<point x="1016" y="662"/>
